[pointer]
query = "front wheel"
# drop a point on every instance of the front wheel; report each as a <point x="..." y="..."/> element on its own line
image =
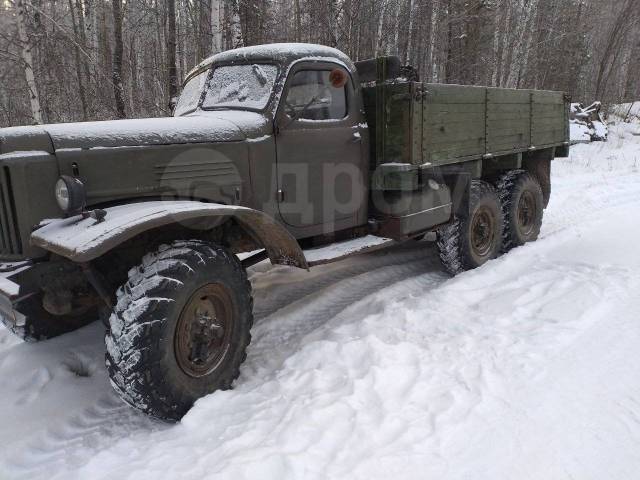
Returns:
<point x="180" y="328"/>
<point x="473" y="239"/>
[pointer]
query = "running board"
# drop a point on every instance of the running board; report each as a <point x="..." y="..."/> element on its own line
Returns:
<point x="339" y="250"/>
<point x="328" y="253"/>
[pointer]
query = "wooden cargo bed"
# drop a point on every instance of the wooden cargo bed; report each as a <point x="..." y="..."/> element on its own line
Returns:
<point x="418" y="123"/>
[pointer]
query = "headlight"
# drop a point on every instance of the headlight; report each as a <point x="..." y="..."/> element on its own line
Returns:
<point x="70" y="194"/>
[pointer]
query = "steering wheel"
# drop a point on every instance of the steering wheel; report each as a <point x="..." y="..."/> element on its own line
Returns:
<point x="291" y="110"/>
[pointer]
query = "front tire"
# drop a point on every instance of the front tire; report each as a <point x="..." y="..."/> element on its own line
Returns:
<point x="475" y="238"/>
<point x="180" y="328"/>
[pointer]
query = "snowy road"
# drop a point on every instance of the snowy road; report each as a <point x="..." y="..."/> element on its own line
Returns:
<point x="382" y="365"/>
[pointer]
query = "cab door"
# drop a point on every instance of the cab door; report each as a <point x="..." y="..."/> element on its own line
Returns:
<point x="320" y="161"/>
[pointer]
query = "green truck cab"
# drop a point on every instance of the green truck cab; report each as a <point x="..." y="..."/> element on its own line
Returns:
<point x="273" y="151"/>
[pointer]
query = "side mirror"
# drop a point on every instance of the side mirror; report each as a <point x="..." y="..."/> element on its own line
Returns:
<point x="338" y="78"/>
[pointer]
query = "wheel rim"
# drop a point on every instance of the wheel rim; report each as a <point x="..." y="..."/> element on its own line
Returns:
<point x="203" y="334"/>
<point x="482" y="232"/>
<point x="527" y="211"/>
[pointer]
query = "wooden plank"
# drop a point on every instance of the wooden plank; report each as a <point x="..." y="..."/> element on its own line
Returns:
<point x="433" y="137"/>
<point x="443" y="108"/>
<point x="507" y="96"/>
<point x="473" y="147"/>
<point x="463" y="148"/>
<point x="498" y="124"/>
<point x="453" y="122"/>
<point x="499" y="108"/>
<point x="547" y="97"/>
<point x="452" y="94"/>
<point x="453" y="118"/>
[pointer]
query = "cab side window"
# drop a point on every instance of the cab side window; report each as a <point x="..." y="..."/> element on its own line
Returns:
<point x="316" y="95"/>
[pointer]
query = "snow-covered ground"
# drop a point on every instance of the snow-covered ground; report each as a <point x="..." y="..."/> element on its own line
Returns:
<point x="382" y="366"/>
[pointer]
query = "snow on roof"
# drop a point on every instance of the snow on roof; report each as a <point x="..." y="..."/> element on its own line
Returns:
<point x="281" y="52"/>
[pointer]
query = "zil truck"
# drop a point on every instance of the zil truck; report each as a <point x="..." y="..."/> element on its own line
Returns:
<point x="272" y="152"/>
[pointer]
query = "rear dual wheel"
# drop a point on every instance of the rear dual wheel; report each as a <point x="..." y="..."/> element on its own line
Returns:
<point x="475" y="238"/>
<point x="522" y="203"/>
<point x="498" y="220"/>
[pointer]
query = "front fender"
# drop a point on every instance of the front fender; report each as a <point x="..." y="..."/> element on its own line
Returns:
<point x="82" y="240"/>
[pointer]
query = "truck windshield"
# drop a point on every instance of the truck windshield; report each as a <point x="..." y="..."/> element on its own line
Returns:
<point x="240" y="86"/>
<point x="190" y="96"/>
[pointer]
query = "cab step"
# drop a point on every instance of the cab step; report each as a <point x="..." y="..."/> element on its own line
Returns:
<point x="327" y="253"/>
<point x="339" y="250"/>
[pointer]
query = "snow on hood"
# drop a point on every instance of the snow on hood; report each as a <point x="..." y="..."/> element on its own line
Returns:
<point x="201" y="127"/>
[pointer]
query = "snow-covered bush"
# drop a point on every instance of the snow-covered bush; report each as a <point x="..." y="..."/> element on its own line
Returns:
<point x="587" y="124"/>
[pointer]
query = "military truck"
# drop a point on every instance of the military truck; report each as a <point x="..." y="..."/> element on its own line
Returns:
<point x="273" y="151"/>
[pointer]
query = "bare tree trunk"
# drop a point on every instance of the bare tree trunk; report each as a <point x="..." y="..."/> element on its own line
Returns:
<point x="378" y="43"/>
<point x="617" y="32"/>
<point x="449" y="45"/>
<point x="79" y="63"/>
<point x="118" y="89"/>
<point x="216" y="26"/>
<point x="171" y="49"/>
<point x="204" y="28"/>
<point x="632" y="86"/>
<point x="396" y="29"/>
<point x="235" y="27"/>
<point x="408" y="51"/>
<point x="298" y="21"/>
<point x="27" y="59"/>
<point x="90" y="23"/>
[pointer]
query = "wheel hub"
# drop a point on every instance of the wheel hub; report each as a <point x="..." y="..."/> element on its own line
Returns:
<point x="203" y="333"/>
<point x="526" y="212"/>
<point x="482" y="232"/>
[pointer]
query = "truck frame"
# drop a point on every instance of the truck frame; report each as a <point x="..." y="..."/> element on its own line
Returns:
<point x="273" y="152"/>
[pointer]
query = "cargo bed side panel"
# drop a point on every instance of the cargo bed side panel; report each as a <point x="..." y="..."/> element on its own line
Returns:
<point x="548" y="122"/>
<point x="508" y="120"/>
<point x="453" y="123"/>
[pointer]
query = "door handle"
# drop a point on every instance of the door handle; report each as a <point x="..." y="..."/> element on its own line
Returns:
<point x="356" y="137"/>
<point x="280" y="196"/>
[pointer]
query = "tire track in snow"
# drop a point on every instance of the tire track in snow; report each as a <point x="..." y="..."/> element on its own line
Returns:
<point x="403" y="273"/>
<point x="71" y="444"/>
<point x="280" y="286"/>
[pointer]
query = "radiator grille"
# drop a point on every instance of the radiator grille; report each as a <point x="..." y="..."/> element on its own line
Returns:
<point x="9" y="234"/>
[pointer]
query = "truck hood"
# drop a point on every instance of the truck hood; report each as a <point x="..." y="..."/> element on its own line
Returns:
<point x="201" y="127"/>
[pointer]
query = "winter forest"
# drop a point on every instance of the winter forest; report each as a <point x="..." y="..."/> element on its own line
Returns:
<point x="72" y="60"/>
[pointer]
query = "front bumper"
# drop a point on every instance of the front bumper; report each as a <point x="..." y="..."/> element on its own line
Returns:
<point x="11" y="294"/>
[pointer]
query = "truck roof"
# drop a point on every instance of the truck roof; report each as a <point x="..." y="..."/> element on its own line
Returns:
<point x="279" y="52"/>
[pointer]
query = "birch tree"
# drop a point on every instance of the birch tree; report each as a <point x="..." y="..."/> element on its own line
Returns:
<point x="27" y="59"/>
<point x="216" y="26"/>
